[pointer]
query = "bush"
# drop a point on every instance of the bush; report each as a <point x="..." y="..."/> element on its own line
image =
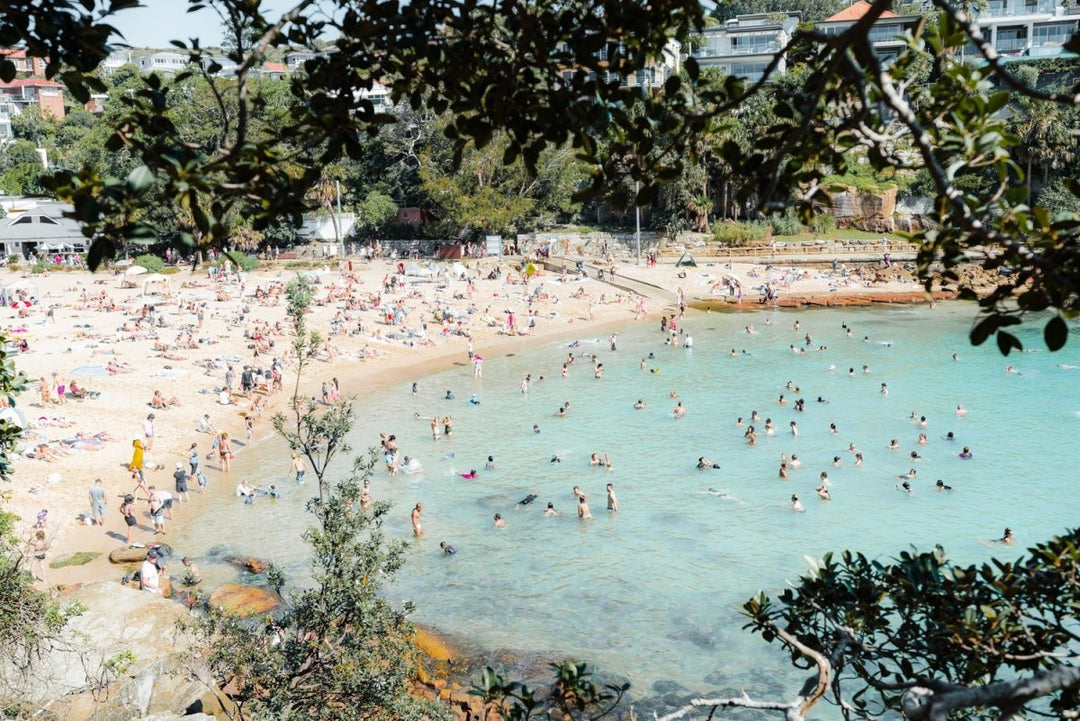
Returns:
<point x="13" y="261"/>
<point x="39" y="267"/>
<point x="786" y="224"/>
<point x="151" y="262"/>
<point x="730" y="232"/>
<point x="246" y="262"/>
<point x="822" y="223"/>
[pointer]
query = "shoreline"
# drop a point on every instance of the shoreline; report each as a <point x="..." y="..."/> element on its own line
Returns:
<point x="397" y="364"/>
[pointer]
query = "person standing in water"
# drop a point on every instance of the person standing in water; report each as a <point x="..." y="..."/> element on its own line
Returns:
<point x="417" y="526"/>
<point x="298" y="467"/>
<point x="612" y="501"/>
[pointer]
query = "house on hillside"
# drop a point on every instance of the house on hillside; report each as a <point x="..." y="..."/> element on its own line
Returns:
<point x="885" y="35"/>
<point x="25" y="65"/>
<point x="1029" y="28"/>
<point x="23" y="93"/>
<point x="163" y="62"/>
<point x="42" y="228"/>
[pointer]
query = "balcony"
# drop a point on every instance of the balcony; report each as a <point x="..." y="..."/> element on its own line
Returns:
<point x="1011" y="45"/>
<point x="1015" y="8"/>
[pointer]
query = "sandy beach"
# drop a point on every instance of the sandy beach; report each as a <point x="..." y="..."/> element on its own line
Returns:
<point x="98" y="331"/>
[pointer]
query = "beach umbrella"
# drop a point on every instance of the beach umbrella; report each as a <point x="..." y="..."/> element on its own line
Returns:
<point x="135" y="270"/>
<point x="123" y="263"/>
<point x="530" y="270"/>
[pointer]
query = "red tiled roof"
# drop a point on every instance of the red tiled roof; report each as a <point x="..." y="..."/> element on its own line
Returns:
<point x="855" y="11"/>
<point x="13" y="52"/>
<point x="274" y="67"/>
<point x="31" y="83"/>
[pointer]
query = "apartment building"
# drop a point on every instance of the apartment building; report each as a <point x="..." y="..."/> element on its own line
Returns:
<point x="745" y="45"/>
<point x="1028" y="28"/>
<point x="162" y="62"/>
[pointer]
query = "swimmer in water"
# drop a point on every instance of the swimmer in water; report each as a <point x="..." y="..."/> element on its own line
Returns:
<point x="796" y="504"/>
<point x="894" y="445"/>
<point x="910" y="474"/>
<point x="527" y="500"/>
<point x="1011" y="371"/>
<point x="536" y="428"/>
<point x="703" y="462"/>
<point x="550" y="510"/>
<point x="449" y="396"/>
<point x="499" y="521"/>
<point x="905" y="487"/>
<point x="922" y="439"/>
<point x="940" y="486"/>
<point x="490" y="465"/>
<point x="950" y="436"/>
<point x="470" y="475"/>
<point x="795" y="462"/>
<point x="794" y="429"/>
<point x="556" y="459"/>
<point x="858" y="460"/>
<point x="833" y="429"/>
<point x="783" y="470"/>
<point x="966" y="453"/>
<point x="915" y="456"/>
<point x="672" y="394"/>
<point x="612" y="501"/>
<point x="823" y="493"/>
<point x="561" y="412"/>
<point x="836" y="461"/>
<point x="447" y="549"/>
<point x="473" y="400"/>
<point x="678" y="411"/>
<point x="1006" y="537"/>
<point x="578" y="493"/>
<point x="583" y="511"/>
<point x="960" y="410"/>
<point x="884" y="389"/>
<point x="639" y="404"/>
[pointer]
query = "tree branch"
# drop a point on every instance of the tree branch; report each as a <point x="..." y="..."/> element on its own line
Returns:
<point x="923" y="703"/>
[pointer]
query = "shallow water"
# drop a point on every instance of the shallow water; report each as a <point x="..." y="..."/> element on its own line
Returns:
<point x="654" y="591"/>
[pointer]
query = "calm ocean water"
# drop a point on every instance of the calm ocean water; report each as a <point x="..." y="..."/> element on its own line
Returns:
<point x="654" y="592"/>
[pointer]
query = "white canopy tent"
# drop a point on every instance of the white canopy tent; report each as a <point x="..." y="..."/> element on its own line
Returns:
<point x="156" y="283"/>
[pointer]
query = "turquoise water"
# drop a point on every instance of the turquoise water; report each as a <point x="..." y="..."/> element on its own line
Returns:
<point x="654" y="591"/>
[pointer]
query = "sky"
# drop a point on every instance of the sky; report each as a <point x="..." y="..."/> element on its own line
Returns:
<point x="159" y="21"/>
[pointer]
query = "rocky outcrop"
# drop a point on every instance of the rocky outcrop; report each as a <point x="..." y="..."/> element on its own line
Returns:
<point x="872" y="212"/>
<point x="122" y="658"/>
<point x="236" y="599"/>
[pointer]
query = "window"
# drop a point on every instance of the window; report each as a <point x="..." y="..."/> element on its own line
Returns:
<point x="1057" y="34"/>
<point x="25" y="220"/>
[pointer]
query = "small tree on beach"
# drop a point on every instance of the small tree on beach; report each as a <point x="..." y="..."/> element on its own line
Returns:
<point x="316" y="432"/>
<point x="340" y="651"/>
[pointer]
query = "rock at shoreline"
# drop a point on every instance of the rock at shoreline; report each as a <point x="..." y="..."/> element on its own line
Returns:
<point x="248" y="563"/>
<point x="133" y="555"/>
<point x="236" y="599"/>
<point x="432" y="646"/>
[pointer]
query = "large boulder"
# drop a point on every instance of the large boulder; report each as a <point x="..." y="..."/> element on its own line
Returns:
<point x="120" y="628"/>
<point x="133" y="555"/>
<point x="236" y="599"/>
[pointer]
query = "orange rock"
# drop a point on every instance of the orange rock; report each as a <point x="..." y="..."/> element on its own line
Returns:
<point x="236" y="599"/>
<point x="432" y="646"/>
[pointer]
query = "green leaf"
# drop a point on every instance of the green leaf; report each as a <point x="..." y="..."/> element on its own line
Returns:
<point x="1007" y="341"/>
<point x="140" y="178"/>
<point x="101" y="249"/>
<point x="1056" y="333"/>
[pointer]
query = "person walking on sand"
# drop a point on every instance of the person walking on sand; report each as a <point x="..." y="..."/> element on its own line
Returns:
<point x="127" y="510"/>
<point x="97" y="503"/>
<point x="39" y="546"/>
<point x="148" y="432"/>
<point x="417" y="527"/>
<point x="225" y="451"/>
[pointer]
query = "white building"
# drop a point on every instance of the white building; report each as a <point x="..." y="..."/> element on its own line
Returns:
<point x="163" y="62"/>
<point x="1031" y="28"/>
<point x="745" y="45"/>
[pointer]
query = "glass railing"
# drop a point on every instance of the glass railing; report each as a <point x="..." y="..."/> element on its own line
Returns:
<point x="1013" y="8"/>
<point x="1011" y="46"/>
